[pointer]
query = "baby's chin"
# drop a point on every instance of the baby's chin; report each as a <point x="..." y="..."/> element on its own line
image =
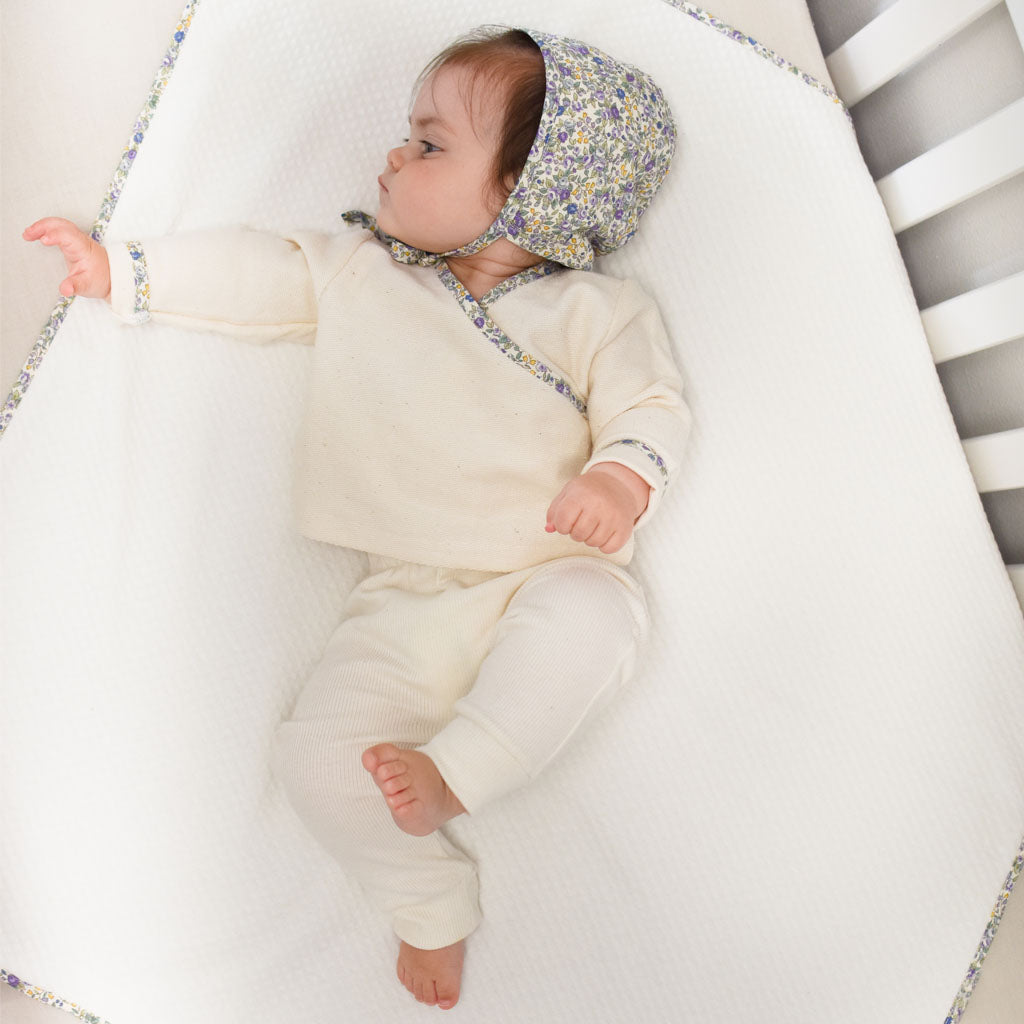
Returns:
<point x="385" y="224"/>
<point x="425" y="243"/>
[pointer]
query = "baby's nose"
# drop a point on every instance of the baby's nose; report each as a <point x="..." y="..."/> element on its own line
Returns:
<point x="395" y="158"/>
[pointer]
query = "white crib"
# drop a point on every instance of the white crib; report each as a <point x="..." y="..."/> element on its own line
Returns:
<point x="976" y="159"/>
<point x="323" y="940"/>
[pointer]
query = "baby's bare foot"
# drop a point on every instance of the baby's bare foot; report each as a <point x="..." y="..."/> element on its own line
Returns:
<point x="417" y="795"/>
<point x="433" y="976"/>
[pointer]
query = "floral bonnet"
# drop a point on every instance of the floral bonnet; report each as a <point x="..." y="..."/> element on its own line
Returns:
<point x="604" y="144"/>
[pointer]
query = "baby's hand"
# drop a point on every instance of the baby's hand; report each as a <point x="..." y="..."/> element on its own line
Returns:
<point x="87" y="263"/>
<point x="600" y="507"/>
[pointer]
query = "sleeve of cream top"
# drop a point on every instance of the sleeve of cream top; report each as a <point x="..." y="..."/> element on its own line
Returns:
<point x="634" y="403"/>
<point x="247" y="284"/>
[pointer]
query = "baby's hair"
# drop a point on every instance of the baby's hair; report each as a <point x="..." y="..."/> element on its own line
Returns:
<point x="508" y="59"/>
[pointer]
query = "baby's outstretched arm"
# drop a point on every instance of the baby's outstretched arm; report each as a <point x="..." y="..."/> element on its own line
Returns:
<point x="599" y="507"/>
<point x="87" y="264"/>
<point x="234" y="281"/>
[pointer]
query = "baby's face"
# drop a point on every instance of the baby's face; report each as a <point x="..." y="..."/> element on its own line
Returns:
<point x="435" y="194"/>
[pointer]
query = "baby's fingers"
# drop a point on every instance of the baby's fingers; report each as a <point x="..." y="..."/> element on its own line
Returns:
<point x="67" y="286"/>
<point x="562" y="515"/>
<point x="42" y="227"/>
<point x="616" y="541"/>
<point x="58" y="231"/>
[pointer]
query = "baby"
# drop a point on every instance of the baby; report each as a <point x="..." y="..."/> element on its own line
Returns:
<point x="485" y="419"/>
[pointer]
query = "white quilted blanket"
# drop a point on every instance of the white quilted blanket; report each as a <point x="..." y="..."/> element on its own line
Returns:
<point x="801" y="811"/>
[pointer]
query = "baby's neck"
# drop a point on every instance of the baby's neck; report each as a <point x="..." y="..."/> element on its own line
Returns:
<point x="493" y="264"/>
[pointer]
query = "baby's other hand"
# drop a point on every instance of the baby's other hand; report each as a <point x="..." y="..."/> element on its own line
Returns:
<point x="599" y="507"/>
<point x="87" y="264"/>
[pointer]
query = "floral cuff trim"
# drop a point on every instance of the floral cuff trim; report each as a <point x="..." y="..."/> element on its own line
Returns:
<point x="646" y="450"/>
<point x="140" y="311"/>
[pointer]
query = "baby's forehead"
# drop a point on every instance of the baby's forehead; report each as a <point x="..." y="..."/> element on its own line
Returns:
<point x="455" y="96"/>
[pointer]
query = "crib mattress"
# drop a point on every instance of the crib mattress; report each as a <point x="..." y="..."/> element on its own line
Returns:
<point x="817" y="774"/>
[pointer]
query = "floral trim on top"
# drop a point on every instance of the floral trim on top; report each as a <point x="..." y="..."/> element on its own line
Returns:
<point x="699" y="14"/>
<point x="648" y="451"/>
<point x="140" y="313"/>
<point x="99" y="228"/>
<point x="48" y="998"/>
<point x="534" y="273"/>
<point x="497" y="337"/>
<point x="477" y="311"/>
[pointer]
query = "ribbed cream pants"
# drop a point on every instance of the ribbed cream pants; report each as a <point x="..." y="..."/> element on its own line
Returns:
<point x="490" y="674"/>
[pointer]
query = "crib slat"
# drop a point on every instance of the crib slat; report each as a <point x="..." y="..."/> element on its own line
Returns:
<point x="976" y="159"/>
<point x="996" y="460"/>
<point x="1016" y="10"/>
<point x="1017" y="579"/>
<point x="899" y="37"/>
<point x="977" y="319"/>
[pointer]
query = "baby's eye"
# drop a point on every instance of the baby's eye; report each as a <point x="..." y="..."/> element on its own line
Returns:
<point x="429" y="147"/>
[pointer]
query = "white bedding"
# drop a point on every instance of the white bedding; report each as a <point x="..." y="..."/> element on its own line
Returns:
<point x="804" y="807"/>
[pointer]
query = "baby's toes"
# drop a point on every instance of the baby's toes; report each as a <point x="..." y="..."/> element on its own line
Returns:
<point x="404" y="977"/>
<point x="402" y="802"/>
<point x="447" y="995"/>
<point x="396" y="784"/>
<point x="381" y="754"/>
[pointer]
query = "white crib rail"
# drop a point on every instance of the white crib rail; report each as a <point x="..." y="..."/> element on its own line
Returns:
<point x="961" y="167"/>
<point x="997" y="464"/>
<point x="997" y="460"/>
<point x="977" y="319"/>
<point x="977" y="159"/>
<point x="1017" y="579"/>
<point x="899" y="37"/>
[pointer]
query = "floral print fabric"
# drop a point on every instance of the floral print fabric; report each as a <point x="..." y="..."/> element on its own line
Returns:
<point x="140" y="312"/>
<point x="477" y="313"/>
<point x="604" y="145"/>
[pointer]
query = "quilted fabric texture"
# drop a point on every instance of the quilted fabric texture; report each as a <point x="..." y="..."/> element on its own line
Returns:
<point x="802" y="809"/>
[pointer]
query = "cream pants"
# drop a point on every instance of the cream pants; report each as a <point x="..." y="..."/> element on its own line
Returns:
<point x="490" y="674"/>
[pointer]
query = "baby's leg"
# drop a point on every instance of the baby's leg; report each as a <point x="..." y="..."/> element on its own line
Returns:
<point x="567" y="642"/>
<point x="428" y="887"/>
<point x="373" y="685"/>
